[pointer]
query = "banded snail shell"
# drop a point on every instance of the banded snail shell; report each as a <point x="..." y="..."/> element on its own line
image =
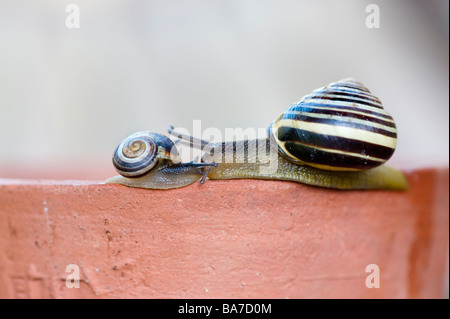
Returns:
<point x="138" y="153"/>
<point x="341" y="127"/>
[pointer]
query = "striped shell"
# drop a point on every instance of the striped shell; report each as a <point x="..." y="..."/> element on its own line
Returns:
<point x="341" y="127"/>
<point x="137" y="154"/>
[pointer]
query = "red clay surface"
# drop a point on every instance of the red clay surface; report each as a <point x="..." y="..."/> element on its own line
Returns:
<point x="224" y="239"/>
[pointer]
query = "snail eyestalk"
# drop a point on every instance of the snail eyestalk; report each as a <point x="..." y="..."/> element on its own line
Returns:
<point x="194" y="141"/>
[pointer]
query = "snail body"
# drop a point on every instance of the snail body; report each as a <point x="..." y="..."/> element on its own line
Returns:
<point x="381" y="177"/>
<point x="339" y="136"/>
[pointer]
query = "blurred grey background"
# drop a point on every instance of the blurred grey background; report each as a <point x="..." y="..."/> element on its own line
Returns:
<point x="68" y="96"/>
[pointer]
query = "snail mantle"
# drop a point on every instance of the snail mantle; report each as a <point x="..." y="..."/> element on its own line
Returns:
<point x="224" y="239"/>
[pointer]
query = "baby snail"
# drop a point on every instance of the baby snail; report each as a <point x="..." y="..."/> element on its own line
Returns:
<point x="151" y="160"/>
<point x="339" y="136"/>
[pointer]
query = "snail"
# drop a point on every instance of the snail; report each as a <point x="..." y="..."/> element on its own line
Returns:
<point x="151" y="160"/>
<point x="339" y="136"/>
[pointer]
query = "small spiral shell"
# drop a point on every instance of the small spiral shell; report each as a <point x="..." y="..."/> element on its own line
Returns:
<point x="340" y="127"/>
<point x="139" y="153"/>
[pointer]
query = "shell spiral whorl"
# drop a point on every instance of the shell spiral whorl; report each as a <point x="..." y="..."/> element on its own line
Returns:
<point x="340" y="127"/>
<point x="136" y="154"/>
